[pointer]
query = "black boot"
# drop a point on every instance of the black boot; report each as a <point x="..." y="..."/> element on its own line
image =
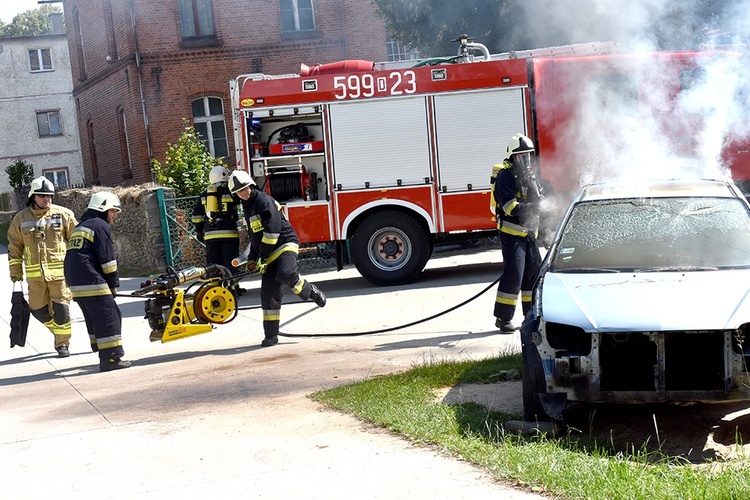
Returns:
<point x="317" y="296"/>
<point x="269" y="341"/>
<point x="113" y="364"/>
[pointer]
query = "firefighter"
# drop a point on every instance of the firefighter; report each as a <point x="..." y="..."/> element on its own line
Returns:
<point x="517" y="197"/>
<point x="215" y="220"/>
<point x="91" y="272"/>
<point x="37" y="239"/>
<point x="273" y="252"/>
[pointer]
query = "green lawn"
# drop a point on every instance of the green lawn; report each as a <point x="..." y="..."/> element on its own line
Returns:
<point x="560" y="466"/>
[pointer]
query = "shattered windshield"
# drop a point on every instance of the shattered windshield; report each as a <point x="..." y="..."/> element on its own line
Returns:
<point x="655" y="234"/>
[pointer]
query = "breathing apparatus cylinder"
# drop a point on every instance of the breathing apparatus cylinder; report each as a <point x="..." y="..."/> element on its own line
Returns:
<point x="212" y="201"/>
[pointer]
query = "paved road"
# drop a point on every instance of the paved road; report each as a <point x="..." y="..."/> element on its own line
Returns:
<point x="216" y="415"/>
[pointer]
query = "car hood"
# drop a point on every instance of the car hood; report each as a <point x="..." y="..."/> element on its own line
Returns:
<point x="655" y="301"/>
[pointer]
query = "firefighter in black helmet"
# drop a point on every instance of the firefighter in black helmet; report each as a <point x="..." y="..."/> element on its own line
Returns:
<point x="274" y="246"/>
<point x="517" y="196"/>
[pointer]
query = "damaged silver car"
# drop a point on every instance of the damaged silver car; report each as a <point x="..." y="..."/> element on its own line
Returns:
<point x="643" y="297"/>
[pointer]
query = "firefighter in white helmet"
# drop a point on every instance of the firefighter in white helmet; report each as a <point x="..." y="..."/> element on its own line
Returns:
<point x="274" y="246"/>
<point x="91" y="272"/>
<point x="517" y="196"/>
<point x="215" y="220"/>
<point x="37" y="239"/>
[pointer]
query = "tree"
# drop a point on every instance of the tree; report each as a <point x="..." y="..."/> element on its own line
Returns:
<point x="430" y="25"/>
<point x="20" y="173"/>
<point x="30" y="23"/>
<point x="186" y="164"/>
<point x="508" y="25"/>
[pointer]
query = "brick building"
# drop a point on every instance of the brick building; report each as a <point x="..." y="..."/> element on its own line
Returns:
<point x="142" y="66"/>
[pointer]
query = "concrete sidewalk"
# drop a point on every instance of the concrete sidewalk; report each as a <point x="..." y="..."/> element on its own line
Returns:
<point x="217" y="416"/>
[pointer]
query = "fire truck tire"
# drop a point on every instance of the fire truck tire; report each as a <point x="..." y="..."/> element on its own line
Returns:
<point x="390" y="248"/>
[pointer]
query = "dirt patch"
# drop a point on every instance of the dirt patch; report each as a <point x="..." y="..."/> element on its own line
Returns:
<point x="695" y="432"/>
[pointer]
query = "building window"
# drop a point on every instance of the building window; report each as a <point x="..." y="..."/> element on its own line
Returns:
<point x="127" y="168"/>
<point x="109" y="24"/>
<point x="208" y="116"/>
<point x="48" y="123"/>
<point x="196" y="18"/>
<point x="79" y="45"/>
<point x="92" y="152"/>
<point x="400" y="52"/>
<point x="40" y="60"/>
<point x="58" y="177"/>
<point x="297" y="15"/>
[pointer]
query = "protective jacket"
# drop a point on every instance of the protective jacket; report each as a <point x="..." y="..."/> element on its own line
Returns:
<point x="90" y="263"/>
<point x="517" y="202"/>
<point x="215" y="214"/>
<point x="269" y="232"/>
<point x="37" y="240"/>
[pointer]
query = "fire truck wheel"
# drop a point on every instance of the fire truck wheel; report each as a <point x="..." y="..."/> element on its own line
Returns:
<point x="390" y="248"/>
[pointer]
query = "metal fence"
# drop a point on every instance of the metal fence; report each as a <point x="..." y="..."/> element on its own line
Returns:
<point x="183" y="249"/>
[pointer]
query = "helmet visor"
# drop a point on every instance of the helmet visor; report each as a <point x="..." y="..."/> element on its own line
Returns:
<point x="522" y="162"/>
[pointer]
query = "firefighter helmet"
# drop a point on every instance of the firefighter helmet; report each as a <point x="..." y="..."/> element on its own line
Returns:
<point x="218" y="174"/>
<point x="519" y="143"/>
<point x="40" y="185"/>
<point x="104" y="201"/>
<point x="239" y="180"/>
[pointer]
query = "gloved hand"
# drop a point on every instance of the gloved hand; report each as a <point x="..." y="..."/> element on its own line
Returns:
<point x="16" y="278"/>
<point x="260" y="266"/>
<point x="200" y="237"/>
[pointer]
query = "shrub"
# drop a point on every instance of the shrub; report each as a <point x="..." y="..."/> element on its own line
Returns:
<point x="186" y="164"/>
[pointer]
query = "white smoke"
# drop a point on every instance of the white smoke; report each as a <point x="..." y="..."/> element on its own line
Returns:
<point x="661" y="132"/>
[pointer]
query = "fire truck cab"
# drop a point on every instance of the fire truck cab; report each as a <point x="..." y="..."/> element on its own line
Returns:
<point x="390" y="160"/>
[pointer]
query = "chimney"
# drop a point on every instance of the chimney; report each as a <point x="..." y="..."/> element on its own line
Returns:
<point x="56" y="23"/>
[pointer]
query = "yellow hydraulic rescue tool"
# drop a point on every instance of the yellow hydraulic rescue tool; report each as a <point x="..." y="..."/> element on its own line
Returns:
<point x="175" y="314"/>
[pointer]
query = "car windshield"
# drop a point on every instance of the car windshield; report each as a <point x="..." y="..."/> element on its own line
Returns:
<point x="654" y="234"/>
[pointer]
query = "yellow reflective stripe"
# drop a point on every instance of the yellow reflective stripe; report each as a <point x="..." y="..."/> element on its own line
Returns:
<point x="108" y="342"/>
<point x="14" y="262"/>
<point x="270" y="238"/>
<point x="109" y="267"/>
<point x="286" y="247"/>
<point x="271" y="314"/>
<point x="196" y="219"/>
<point x="298" y="286"/>
<point x="525" y="296"/>
<point x="513" y="229"/>
<point x="63" y="329"/>
<point x="83" y="232"/>
<point x="508" y="207"/>
<point x="226" y="198"/>
<point x="506" y="298"/>
<point x="90" y="290"/>
<point x="226" y="233"/>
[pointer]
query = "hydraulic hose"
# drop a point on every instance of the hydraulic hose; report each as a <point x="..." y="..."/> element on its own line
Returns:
<point x="393" y="328"/>
<point x="357" y="334"/>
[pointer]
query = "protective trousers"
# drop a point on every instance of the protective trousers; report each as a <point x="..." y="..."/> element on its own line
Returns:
<point x="521" y="262"/>
<point x="48" y="301"/>
<point x="104" y="324"/>
<point x="221" y="251"/>
<point x="282" y="271"/>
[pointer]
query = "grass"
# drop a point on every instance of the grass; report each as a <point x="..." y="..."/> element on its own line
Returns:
<point x="405" y="404"/>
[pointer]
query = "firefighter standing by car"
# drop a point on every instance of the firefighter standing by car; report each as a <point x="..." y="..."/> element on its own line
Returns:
<point x="517" y="196"/>
<point x="37" y="239"/>
<point x="274" y="246"/>
<point x="215" y="220"/>
<point x="91" y="272"/>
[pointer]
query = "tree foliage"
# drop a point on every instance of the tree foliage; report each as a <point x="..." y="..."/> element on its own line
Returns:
<point x="30" y="23"/>
<point x="20" y="173"/>
<point x="186" y="164"/>
<point x="508" y="25"/>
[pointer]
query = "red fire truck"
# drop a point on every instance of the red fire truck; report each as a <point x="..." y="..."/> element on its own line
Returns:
<point x="391" y="160"/>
